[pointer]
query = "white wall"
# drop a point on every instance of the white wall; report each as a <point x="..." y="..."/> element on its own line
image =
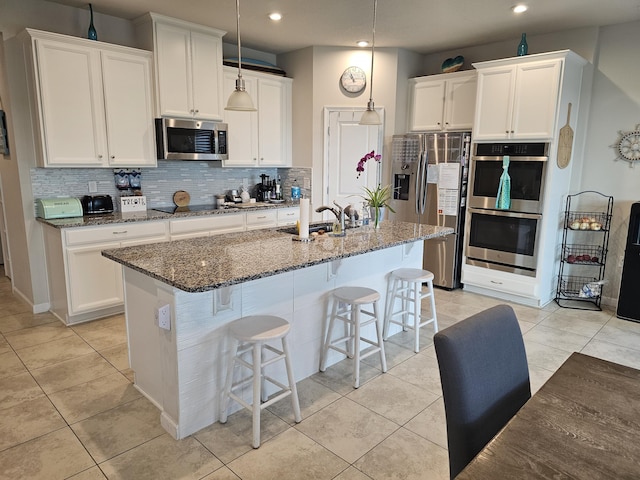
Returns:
<point x="615" y="106"/>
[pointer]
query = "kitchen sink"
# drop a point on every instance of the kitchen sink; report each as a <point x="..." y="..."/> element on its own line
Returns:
<point x="313" y="227"/>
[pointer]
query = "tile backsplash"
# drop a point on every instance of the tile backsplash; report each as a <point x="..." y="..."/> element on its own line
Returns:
<point x="201" y="179"/>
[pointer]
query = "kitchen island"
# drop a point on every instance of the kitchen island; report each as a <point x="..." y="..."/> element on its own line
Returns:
<point x="207" y="282"/>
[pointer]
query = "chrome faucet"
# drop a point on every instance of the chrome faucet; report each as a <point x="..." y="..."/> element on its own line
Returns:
<point x="339" y="213"/>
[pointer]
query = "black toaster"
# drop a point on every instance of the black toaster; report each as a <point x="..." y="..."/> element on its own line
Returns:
<point x="93" y="204"/>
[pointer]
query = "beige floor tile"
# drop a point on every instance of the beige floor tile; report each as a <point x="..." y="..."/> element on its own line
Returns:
<point x="28" y="420"/>
<point x="107" y="322"/>
<point x="352" y="473"/>
<point x="14" y="306"/>
<point x="56" y="455"/>
<point x="459" y="311"/>
<point x="395" y="350"/>
<point x="28" y="337"/>
<point x="525" y="326"/>
<point x="93" y="473"/>
<point x="4" y="346"/>
<point x="289" y="456"/>
<point x="538" y="377"/>
<point x="10" y="364"/>
<point x="393" y="398"/>
<point x="339" y="377"/>
<point x="222" y="473"/>
<point x="544" y="356"/>
<point x="117" y="430"/>
<point x="118" y="356"/>
<point x="230" y="440"/>
<point x="99" y="395"/>
<point x="347" y="429"/>
<point x="312" y="397"/>
<point x="162" y="458"/>
<point x="620" y="332"/>
<point x="72" y="372"/>
<point x="420" y="370"/>
<point x="16" y="321"/>
<point x="613" y="353"/>
<point x="129" y="374"/>
<point x="529" y="314"/>
<point x="406" y="339"/>
<point x="405" y="455"/>
<point x="587" y="326"/>
<point x="107" y="337"/>
<point x="431" y="423"/>
<point x="53" y="352"/>
<point x="561" y="339"/>
<point x="17" y="389"/>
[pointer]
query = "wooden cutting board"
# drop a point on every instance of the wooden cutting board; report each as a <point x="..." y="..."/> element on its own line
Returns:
<point x="565" y="142"/>
<point x="181" y="198"/>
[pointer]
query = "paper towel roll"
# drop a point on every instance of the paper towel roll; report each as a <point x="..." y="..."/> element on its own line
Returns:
<point x="304" y="218"/>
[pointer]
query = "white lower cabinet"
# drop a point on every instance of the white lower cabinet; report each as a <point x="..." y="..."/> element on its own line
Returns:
<point x="84" y="285"/>
<point x="261" y="219"/>
<point x="288" y="216"/>
<point x="205" y="226"/>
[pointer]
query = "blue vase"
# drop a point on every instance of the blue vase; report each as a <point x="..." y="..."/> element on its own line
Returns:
<point x="91" y="33"/>
<point x="522" y="46"/>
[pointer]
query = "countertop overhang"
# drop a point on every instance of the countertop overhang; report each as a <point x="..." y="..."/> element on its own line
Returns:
<point x="206" y="263"/>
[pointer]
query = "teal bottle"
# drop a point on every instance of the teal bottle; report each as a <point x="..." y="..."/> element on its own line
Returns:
<point x="91" y="33"/>
<point x="522" y="46"/>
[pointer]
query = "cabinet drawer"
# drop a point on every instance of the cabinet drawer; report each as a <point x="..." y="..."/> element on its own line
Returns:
<point x="261" y="219"/>
<point x="226" y="222"/>
<point x="500" y="281"/>
<point x="118" y="232"/>
<point x="288" y="216"/>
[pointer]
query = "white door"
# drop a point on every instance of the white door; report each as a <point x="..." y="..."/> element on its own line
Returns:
<point x="346" y="142"/>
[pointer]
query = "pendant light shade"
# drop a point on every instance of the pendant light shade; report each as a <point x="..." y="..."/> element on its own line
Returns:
<point x="240" y="100"/>
<point x="371" y="117"/>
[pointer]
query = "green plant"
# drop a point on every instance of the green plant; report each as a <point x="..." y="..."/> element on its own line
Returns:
<point x="379" y="196"/>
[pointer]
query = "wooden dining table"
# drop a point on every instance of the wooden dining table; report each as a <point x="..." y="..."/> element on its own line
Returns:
<point x="583" y="423"/>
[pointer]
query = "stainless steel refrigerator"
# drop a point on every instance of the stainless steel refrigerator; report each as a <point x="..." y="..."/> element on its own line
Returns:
<point x="429" y="174"/>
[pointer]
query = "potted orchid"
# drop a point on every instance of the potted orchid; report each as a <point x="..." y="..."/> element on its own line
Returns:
<point x="376" y="198"/>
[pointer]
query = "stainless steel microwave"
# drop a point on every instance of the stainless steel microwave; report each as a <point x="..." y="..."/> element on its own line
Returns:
<point x="178" y="139"/>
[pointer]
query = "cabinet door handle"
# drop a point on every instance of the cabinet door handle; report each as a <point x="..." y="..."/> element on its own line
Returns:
<point x="260" y="218"/>
<point x="112" y="157"/>
<point x="99" y="156"/>
<point x="122" y="232"/>
<point x="290" y="214"/>
<point x="197" y="110"/>
<point x="497" y="283"/>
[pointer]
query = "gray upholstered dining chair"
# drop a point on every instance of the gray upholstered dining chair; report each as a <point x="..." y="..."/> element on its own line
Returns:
<point x="485" y="379"/>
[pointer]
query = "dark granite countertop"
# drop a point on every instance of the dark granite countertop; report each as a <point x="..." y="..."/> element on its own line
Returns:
<point x="205" y="263"/>
<point x="150" y="215"/>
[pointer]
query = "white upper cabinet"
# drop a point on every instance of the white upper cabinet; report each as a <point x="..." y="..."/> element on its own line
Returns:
<point x="442" y="102"/>
<point x="188" y="67"/>
<point x="93" y="103"/>
<point x="518" y="98"/>
<point x="261" y="138"/>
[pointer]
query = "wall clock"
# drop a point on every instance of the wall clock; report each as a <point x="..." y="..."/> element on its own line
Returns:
<point x="353" y="80"/>
<point x="628" y="145"/>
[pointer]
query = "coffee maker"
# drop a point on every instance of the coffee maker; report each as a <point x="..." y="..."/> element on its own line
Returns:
<point x="264" y="189"/>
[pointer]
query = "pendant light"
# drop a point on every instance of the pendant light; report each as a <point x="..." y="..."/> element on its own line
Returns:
<point x="371" y="117"/>
<point x="240" y="100"/>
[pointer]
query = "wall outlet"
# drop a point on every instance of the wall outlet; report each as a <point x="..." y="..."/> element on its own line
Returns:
<point x="93" y="187"/>
<point x="163" y="317"/>
<point x="306" y="183"/>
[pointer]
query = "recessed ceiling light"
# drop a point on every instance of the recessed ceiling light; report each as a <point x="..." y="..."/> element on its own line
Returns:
<point x="275" y="16"/>
<point x="363" y="43"/>
<point x="519" y="8"/>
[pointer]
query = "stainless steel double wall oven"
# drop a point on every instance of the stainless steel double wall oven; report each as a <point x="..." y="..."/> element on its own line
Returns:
<point x="506" y="240"/>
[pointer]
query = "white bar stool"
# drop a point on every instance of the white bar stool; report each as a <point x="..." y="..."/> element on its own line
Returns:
<point x="347" y="302"/>
<point x="406" y="285"/>
<point x="250" y="334"/>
